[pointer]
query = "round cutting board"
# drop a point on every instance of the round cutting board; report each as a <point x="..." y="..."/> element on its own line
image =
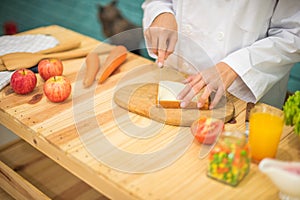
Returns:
<point x="140" y="98"/>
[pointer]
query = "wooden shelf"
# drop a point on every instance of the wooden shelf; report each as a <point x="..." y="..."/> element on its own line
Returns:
<point x="43" y="173"/>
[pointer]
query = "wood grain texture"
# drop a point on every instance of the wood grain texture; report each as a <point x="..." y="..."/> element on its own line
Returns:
<point x="16" y="61"/>
<point x="18" y="187"/>
<point x="44" y="174"/>
<point x="65" y="132"/>
<point x="142" y="99"/>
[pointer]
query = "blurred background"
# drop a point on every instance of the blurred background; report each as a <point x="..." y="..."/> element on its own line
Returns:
<point x="80" y="16"/>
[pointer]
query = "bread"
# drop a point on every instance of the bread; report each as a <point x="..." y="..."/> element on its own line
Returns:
<point x="167" y="95"/>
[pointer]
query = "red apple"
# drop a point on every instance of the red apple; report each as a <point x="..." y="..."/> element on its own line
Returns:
<point x="23" y="81"/>
<point x="57" y="88"/>
<point x="50" y="67"/>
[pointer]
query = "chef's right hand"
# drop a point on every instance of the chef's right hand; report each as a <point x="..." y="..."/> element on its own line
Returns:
<point x="161" y="36"/>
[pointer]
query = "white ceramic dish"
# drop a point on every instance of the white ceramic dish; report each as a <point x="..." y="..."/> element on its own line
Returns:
<point x="285" y="175"/>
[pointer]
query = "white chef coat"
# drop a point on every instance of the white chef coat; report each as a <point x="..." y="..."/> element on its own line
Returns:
<point x="258" y="39"/>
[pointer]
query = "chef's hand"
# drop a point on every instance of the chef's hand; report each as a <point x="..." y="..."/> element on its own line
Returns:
<point x="217" y="79"/>
<point x="161" y="36"/>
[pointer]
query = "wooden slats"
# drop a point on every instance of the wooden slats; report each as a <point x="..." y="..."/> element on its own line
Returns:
<point x="18" y="187"/>
<point x="55" y="133"/>
<point x="48" y="180"/>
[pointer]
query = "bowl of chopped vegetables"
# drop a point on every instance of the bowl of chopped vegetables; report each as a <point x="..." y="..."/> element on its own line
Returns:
<point x="291" y="111"/>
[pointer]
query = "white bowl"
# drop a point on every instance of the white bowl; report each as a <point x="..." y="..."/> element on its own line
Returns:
<point x="285" y="175"/>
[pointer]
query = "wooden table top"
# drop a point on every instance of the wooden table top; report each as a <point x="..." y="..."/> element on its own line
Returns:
<point x="121" y="154"/>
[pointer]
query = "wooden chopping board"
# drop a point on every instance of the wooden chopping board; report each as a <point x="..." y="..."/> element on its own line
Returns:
<point x="140" y="98"/>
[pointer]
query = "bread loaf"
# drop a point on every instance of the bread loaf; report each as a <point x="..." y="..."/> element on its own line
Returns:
<point x="167" y="96"/>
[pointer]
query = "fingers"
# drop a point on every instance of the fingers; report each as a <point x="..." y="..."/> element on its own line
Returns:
<point x="203" y="98"/>
<point x="161" y="42"/>
<point x="217" y="98"/>
<point x="193" y="87"/>
<point x="188" y="94"/>
<point x="190" y="83"/>
<point x="171" y="44"/>
<point x="187" y="80"/>
<point x="166" y="46"/>
<point x="195" y="80"/>
<point x="161" y="51"/>
<point x="152" y="40"/>
<point x="194" y="84"/>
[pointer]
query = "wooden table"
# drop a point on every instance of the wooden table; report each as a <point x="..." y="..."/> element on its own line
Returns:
<point x="66" y="133"/>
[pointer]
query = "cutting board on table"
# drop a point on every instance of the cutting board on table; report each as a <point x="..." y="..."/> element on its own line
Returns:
<point x="140" y="98"/>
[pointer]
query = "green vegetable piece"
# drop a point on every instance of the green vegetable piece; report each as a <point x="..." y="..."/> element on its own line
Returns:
<point x="243" y="152"/>
<point x="291" y="111"/>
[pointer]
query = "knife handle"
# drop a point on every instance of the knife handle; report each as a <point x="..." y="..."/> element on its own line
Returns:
<point x="248" y="109"/>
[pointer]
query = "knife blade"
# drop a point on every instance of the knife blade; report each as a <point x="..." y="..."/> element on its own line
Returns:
<point x="160" y="73"/>
<point x="160" y="66"/>
<point x="249" y="106"/>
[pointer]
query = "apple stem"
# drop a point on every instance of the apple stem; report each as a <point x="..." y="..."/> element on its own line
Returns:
<point x="54" y="78"/>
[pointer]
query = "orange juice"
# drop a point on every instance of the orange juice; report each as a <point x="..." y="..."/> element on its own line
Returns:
<point x="265" y="132"/>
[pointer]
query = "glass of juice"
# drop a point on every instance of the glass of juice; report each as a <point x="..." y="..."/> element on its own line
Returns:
<point x="265" y="129"/>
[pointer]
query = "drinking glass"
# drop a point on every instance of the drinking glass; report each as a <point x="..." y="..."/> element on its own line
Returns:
<point x="265" y="129"/>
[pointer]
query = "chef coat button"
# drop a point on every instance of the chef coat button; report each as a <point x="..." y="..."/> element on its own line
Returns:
<point x="220" y="36"/>
<point x="185" y="65"/>
<point x="190" y="71"/>
<point x="187" y="29"/>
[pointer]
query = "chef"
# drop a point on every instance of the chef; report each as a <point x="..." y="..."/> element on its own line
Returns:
<point x="245" y="47"/>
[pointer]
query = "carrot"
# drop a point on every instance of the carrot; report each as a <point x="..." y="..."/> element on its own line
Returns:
<point x="92" y="67"/>
<point x="116" y="57"/>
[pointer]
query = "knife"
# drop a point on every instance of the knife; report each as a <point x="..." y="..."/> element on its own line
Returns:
<point x="160" y="66"/>
<point x="247" y="116"/>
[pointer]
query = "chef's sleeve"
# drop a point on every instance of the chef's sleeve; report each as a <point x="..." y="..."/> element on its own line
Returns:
<point x="153" y="8"/>
<point x="270" y="59"/>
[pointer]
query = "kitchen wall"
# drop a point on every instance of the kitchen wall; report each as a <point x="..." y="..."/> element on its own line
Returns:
<point x="78" y="15"/>
<point x="294" y="81"/>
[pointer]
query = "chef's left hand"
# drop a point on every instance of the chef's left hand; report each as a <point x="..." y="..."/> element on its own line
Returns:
<point x="215" y="79"/>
